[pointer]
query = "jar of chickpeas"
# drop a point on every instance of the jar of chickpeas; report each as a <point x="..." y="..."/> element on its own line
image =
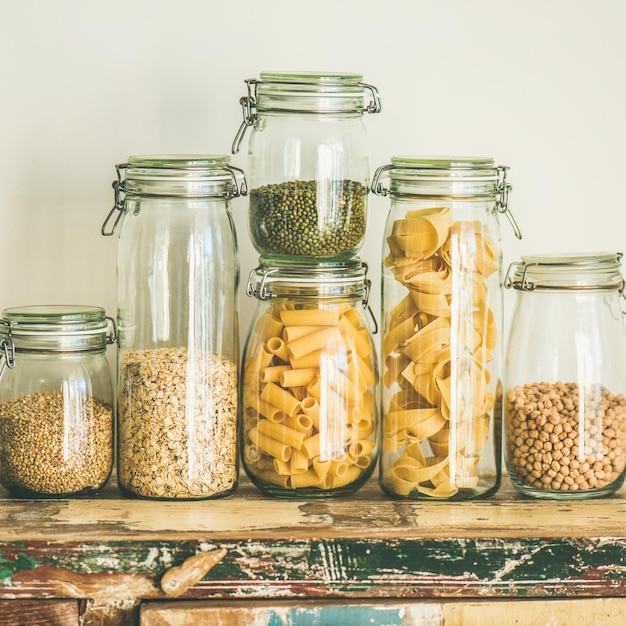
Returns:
<point x="310" y="380"/>
<point x="565" y="402"/>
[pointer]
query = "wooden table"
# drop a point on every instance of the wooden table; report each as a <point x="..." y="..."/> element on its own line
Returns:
<point x="365" y="559"/>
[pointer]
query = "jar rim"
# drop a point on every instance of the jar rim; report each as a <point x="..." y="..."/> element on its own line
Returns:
<point x="179" y="161"/>
<point x="340" y="94"/>
<point x="56" y="327"/>
<point x="312" y="78"/>
<point x="328" y="279"/>
<point x="443" y="162"/>
<point x="56" y="317"/>
<point x="180" y="175"/>
<point x="574" y="271"/>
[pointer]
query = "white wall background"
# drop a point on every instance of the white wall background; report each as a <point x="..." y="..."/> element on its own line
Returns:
<point x="538" y="85"/>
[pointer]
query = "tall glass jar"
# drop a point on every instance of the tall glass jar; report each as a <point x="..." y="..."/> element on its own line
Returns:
<point x="442" y="320"/>
<point x="565" y="402"/>
<point x="178" y="274"/>
<point x="308" y="163"/>
<point x="56" y="401"/>
<point x="310" y="381"/>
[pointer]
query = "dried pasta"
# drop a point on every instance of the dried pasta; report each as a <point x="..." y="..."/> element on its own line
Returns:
<point x="311" y="416"/>
<point x="426" y="342"/>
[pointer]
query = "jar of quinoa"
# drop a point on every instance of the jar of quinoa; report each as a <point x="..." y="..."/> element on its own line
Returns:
<point x="565" y="402"/>
<point x="56" y="400"/>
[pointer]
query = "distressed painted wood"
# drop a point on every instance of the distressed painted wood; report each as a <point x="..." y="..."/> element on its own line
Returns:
<point x="109" y="612"/>
<point x="599" y="612"/>
<point x="39" y="613"/>
<point x="365" y="546"/>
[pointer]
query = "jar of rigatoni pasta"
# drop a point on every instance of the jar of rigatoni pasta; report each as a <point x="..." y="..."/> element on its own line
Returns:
<point x="309" y="381"/>
<point x="442" y="312"/>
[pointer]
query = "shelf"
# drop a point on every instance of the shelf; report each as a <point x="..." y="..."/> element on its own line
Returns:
<point x="363" y="546"/>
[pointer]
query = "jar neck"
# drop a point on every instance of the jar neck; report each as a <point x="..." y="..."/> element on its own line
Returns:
<point x="572" y="273"/>
<point x="323" y="281"/>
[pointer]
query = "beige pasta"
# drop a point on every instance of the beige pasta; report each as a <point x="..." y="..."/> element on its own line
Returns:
<point x="311" y="419"/>
<point x="315" y="341"/>
<point x="310" y="317"/>
<point x="419" y="332"/>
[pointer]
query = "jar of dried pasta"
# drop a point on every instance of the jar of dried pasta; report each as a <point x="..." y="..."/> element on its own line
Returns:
<point x="442" y="309"/>
<point x="565" y="390"/>
<point x="308" y="163"/>
<point x="310" y="381"/>
<point x="178" y="330"/>
<point x="56" y="400"/>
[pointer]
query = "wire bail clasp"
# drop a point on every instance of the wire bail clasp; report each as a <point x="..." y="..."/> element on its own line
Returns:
<point x="248" y="109"/>
<point x="118" y="189"/>
<point x="7" y="350"/>
<point x="503" y="190"/>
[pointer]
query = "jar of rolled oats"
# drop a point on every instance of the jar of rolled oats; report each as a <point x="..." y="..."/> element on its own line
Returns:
<point x="565" y="389"/>
<point x="178" y="331"/>
<point x="309" y="381"/>
<point x="56" y="400"/>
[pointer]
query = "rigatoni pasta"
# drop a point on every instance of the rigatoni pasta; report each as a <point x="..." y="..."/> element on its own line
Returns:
<point x="322" y="383"/>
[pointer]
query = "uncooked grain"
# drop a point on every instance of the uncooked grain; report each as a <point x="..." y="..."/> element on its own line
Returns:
<point x="550" y="448"/>
<point x="51" y="444"/>
<point x="177" y="424"/>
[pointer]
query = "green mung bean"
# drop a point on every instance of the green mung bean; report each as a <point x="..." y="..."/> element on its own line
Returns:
<point x="308" y="218"/>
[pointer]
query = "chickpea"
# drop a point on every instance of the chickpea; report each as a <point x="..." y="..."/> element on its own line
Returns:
<point x="546" y="446"/>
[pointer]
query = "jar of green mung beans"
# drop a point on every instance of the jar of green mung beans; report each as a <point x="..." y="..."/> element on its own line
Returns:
<point x="308" y="165"/>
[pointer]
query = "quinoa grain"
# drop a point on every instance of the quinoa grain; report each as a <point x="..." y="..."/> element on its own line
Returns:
<point x="53" y="445"/>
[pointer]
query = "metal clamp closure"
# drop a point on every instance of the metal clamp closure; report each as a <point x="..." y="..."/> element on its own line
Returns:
<point x="261" y="293"/>
<point x="7" y="350"/>
<point x="118" y="189"/>
<point x="112" y="335"/>
<point x="375" y="106"/>
<point x="248" y="108"/>
<point x="239" y="188"/>
<point x="377" y="185"/>
<point x="524" y="284"/>
<point x="502" y="199"/>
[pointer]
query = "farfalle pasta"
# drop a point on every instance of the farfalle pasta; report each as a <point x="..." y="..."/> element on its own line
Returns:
<point x="438" y="342"/>
<point x="310" y="413"/>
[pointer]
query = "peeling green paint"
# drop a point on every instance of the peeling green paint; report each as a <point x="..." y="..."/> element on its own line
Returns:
<point x="351" y="567"/>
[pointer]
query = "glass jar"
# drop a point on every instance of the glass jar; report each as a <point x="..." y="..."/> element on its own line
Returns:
<point x="178" y="334"/>
<point x="442" y="321"/>
<point x="565" y="408"/>
<point x="56" y="401"/>
<point x="310" y="381"/>
<point x="308" y="163"/>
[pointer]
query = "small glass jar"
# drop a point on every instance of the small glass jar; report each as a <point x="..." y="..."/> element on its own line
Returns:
<point x="442" y="324"/>
<point x="308" y="163"/>
<point x="310" y="381"/>
<point x="565" y="403"/>
<point x="56" y="401"/>
<point x="178" y="326"/>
